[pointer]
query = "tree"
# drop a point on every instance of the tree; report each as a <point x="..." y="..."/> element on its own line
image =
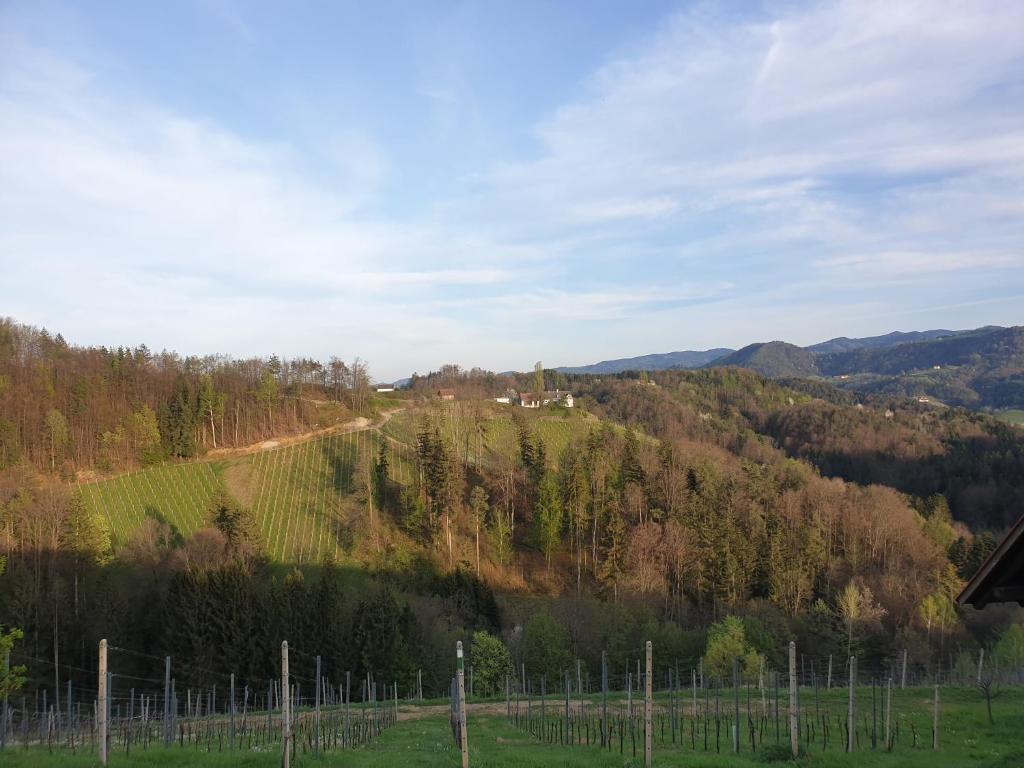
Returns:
<point x="10" y="449"/>
<point x="1008" y="651"/>
<point x="478" y="502"/>
<point x="57" y="434"/>
<point x="236" y="524"/>
<point x="727" y="640"/>
<point x="11" y="678"/>
<point x="614" y="550"/>
<point x="538" y="378"/>
<point x="501" y="534"/>
<point x="266" y="394"/>
<point x="86" y="533"/>
<point x="547" y="516"/>
<point x="545" y="646"/>
<point x="380" y="475"/>
<point x="857" y="606"/>
<point x="145" y="435"/>
<point x="211" y="404"/>
<point x="177" y="426"/>
<point x="491" y="662"/>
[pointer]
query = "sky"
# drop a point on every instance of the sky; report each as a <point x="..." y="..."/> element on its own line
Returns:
<point x="495" y="183"/>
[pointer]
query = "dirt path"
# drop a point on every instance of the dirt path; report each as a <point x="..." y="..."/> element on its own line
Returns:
<point x="408" y="712"/>
<point x="355" y="425"/>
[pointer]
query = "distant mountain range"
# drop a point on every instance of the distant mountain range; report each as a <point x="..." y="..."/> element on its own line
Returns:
<point x="844" y="344"/>
<point x="687" y="359"/>
<point x="979" y="368"/>
<point x="773" y="358"/>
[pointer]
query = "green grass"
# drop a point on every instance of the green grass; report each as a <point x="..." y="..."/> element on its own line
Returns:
<point x="499" y="440"/>
<point x="178" y="494"/>
<point x="297" y="493"/>
<point x="1011" y="416"/>
<point x="966" y="740"/>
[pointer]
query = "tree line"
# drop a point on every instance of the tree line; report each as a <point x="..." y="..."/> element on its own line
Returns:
<point x="66" y="408"/>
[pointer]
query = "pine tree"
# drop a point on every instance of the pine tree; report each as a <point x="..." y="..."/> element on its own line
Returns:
<point x="479" y="504"/>
<point x="547" y="517"/>
<point x="177" y="428"/>
<point x="380" y="475"/>
<point x="613" y="550"/>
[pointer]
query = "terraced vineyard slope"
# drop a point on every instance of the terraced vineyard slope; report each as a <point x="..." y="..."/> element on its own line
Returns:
<point x="309" y="498"/>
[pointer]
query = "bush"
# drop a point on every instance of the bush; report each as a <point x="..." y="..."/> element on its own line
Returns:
<point x="727" y="640"/>
<point x="491" y="663"/>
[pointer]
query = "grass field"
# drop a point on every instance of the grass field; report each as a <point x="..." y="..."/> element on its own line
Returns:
<point x="498" y="439"/>
<point x="178" y="494"/>
<point x="966" y="739"/>
<point x="297" y="493"/>
<point x="1011" y="416"/>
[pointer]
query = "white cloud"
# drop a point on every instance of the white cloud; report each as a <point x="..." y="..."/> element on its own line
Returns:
<point x="906" y="263"/>
<point x="703" y="183"/>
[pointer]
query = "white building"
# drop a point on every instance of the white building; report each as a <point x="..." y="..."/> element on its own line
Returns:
<point x="531" y="400"/>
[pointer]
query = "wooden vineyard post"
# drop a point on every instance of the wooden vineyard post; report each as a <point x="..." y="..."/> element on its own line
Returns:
<point x="543" y="698"/>
<point x="794" y="736"/>
<point x="167" y="701"/>
<point x="851" y="722"/>
<point x="903" y="677"/>
<point x="629" y="695"/>
<point x="981" y="663"/>
<point x="604" y="698"/>
<point x="348" y="703"/>
<point x="888" y="715"/>
<point x="648" y="707"/>
<point x="579" y="685"/>
<point x="231" y="710"/>
<point x="316" y="733"/>
<point x="829" y="684"/>
<point x="567" y="685"/>
<point x="101" y="707"/>
<point x="463" y="740"/>
<point x="693" y="687"/>
<point x="286" y="705"/>
<point x="4" y="704"/>
<point x="736" y="704"/>
<point x="935" y="719"/>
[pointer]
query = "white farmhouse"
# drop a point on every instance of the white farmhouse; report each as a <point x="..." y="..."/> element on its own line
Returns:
<point x="532" y="400"/>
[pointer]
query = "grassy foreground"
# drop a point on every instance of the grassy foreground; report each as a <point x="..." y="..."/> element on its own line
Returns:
<point x="967" y="740"/>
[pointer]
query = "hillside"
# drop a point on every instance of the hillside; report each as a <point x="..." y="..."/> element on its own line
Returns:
<point x="982" y="369"/>
<point x="774" y="359"/>
<point x="659" y="504"/>
<point x="655" y="362"/>
<point x="976" y="369"/>
<point x="309" y="499"/>
<point x="846" y="344"/>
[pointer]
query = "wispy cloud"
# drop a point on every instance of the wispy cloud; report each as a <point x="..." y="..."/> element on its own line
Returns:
<point x="698" y="186"/>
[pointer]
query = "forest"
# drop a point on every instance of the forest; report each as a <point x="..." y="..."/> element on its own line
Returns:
<point x="678" y="501"/>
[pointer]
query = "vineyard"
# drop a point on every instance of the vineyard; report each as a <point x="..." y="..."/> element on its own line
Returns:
<point x="309" y="499"/>
<point x="178" y="495"/>
<point x="491" y="436"/>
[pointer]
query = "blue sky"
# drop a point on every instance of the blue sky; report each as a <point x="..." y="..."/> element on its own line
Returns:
<point x="498" y="183"/>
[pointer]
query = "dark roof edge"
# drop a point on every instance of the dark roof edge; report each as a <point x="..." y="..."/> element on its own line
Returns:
<point x="990" y="563"/>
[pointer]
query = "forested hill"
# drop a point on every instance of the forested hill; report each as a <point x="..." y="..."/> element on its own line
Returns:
<point x="980" y="369"/>
<point x="657" y="362"/>
<point x="66" y="408"/>
<point x="774" y="359"/>
<point x="845" y="344"/>
<point x="659" y="502"/>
